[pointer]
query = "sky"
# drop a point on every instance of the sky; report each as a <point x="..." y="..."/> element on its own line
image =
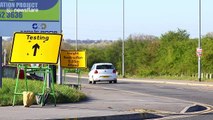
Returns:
<point x="103" y="19"/>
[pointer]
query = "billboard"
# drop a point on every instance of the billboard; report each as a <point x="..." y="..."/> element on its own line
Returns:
<point x="41" y="16"/>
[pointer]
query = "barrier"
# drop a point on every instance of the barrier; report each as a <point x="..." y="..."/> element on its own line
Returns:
<point x="46" y="70"/>
<point x="78" y="72"/>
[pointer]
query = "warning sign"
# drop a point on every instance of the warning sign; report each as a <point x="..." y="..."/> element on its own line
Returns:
<point x="73" y="59"/>
<point x="35" y="48"/>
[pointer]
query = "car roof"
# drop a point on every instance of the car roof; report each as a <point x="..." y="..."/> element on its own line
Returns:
<point x="103" y="64"/>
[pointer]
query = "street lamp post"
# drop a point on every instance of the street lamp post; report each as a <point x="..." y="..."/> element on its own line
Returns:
<point x="199" y="43"/>
<point x="123" y="68"/>
<point x="76" y="25"/>
<point x="76" y="38"/>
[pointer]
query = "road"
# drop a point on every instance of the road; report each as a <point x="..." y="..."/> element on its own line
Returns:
<point x="189" y="93"/>
<point x="186" y="93"/>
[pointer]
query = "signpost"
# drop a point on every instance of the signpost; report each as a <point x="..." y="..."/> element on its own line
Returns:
<point x="36" y="48"/>
<point x="73" y="59"/>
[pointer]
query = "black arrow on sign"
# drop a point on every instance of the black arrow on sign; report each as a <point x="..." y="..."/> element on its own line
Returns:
<point x="35" y="47"/>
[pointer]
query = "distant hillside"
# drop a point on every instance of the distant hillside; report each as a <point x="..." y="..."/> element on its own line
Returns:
<point x="88" y="41"/>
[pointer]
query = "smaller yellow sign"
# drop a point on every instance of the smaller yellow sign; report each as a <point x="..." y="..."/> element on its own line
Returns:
<point x="73" y="59"/>
<point x="35" y="48"/>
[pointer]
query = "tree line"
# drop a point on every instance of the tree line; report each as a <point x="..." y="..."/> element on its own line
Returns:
<point x="173" y="53"/>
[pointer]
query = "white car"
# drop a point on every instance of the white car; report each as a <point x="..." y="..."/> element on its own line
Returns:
<point x="102" y="72"/>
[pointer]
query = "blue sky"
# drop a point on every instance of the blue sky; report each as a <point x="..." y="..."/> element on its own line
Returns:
<point x="102" y="19"/>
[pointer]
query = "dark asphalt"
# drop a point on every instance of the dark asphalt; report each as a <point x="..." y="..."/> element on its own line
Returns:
<point x="196" y="92"/>
<point x="124" y="98"/>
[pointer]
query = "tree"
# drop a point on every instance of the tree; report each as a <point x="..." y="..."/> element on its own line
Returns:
<point x="142" y="37"/>
<point x="209" y="35"/>
<point x="172" y="36"/>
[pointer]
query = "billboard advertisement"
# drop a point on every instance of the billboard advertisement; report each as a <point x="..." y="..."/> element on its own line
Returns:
<point x="29" y="16"/>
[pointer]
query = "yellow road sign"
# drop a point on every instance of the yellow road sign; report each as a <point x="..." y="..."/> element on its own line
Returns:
<point x="35" y="48"/>
<point x="73" y="59"/>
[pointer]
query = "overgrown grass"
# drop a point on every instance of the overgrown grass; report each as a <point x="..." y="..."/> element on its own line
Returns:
<point x="64" y="94"/>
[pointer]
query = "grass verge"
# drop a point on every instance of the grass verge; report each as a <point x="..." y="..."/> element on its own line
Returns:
<point x="167" y="77"/>
<point x="64" y="94"/>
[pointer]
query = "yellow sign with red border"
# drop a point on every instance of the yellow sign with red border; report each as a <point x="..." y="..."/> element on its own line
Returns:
<point x="36" y="48"/>
<point x="73" y="59"/>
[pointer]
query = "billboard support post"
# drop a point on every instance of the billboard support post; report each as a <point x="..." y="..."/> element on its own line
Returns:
<point x="1" y="62"/>
<point x="59" y="77"/>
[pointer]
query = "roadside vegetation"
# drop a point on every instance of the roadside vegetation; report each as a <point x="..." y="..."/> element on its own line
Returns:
<point x="173" y="54"/>
<point x="64" y="94"/>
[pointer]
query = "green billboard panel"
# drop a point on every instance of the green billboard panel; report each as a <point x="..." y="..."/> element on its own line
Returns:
<point x="30" y="16"/>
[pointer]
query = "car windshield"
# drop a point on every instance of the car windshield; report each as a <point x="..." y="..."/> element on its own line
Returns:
<point x="105" y="67"/>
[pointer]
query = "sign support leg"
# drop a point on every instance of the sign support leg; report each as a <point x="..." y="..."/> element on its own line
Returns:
<point x="48" y="73"/>
<point x="52" y="86"/>
<point x="79" y="84"/>
<point x="1" y="62"/>
<point x="59" y="80"/>
<point x="64" y="70"/>
<point x="25" y="78"/>
<point x="16" y="87"/>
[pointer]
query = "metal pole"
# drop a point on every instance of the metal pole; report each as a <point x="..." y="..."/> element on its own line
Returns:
<point x="76" y="25"/>
<point x="5" y="57"/>
<point x="1" y="62"/>
<point x="123" y="69"/>
<point x="199" y="43"/>
<point x="76" y="38"/>
<point x="59" y="81"/>
<point x="48" y="77"/>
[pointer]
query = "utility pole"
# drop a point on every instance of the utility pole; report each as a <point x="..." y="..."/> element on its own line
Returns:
<point x="76" y="25"/>
<point x="199" y="44"/>
<point x="76" y="38"/>
<point x="123" y="65"/>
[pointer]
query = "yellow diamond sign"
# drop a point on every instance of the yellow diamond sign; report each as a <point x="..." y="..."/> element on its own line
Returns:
<point x="35" y="48"/>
